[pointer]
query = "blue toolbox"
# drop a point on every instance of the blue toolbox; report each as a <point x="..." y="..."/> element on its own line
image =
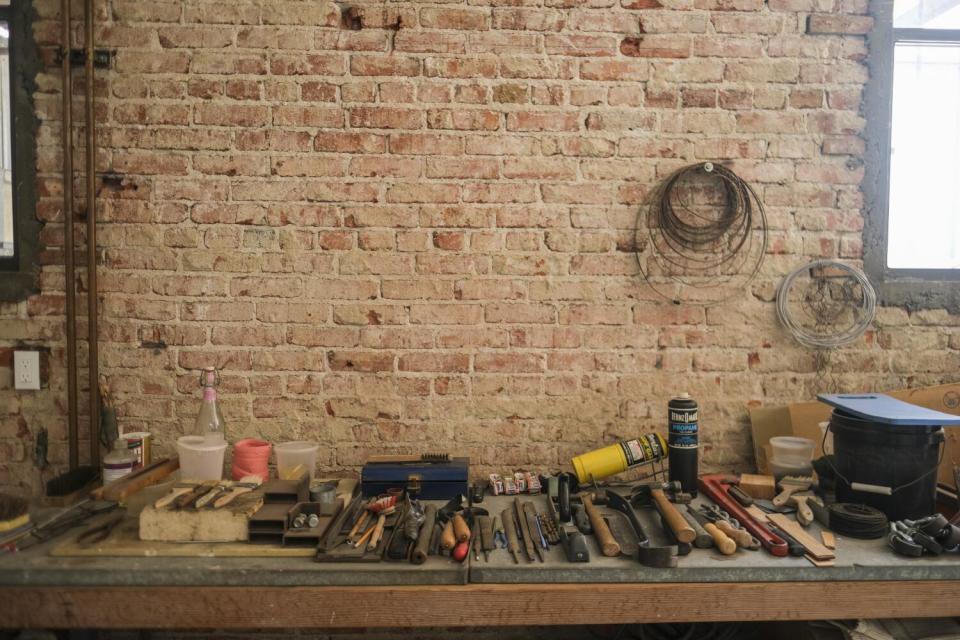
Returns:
<point x="430" y="477"/>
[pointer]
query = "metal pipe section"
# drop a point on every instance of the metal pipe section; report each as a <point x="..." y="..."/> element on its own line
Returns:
<point x="91" y="183"/>
<point x="69" y="277"/>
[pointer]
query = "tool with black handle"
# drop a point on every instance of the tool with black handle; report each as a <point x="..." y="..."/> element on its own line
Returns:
<point x="573" y="543"/>
<point x="422" y="547"/>
<point x="563" y="499"/>
<point x="796" y="549"/>
<point x="510" y="528"/>
<point x="646" y="554"/>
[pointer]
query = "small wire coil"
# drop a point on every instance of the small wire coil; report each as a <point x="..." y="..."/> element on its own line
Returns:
<point x="826" y="305"/>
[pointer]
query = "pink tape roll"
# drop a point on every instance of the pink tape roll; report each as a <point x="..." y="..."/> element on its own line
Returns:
<point x="251" y="457"/>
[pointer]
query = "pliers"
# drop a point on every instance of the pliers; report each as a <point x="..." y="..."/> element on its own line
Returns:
<point x="100" y="532"/>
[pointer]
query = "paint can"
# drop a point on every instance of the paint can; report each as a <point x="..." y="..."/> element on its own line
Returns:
<point x="138" y="443"/>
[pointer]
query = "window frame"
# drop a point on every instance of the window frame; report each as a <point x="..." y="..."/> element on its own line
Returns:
<point x="19" y="273"/>
<point x="913" y="288"/>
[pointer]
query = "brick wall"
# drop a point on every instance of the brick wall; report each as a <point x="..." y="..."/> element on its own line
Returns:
<point x="409" y="226"/>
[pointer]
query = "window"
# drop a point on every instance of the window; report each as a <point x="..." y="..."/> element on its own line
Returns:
<point x="912" y="239"/>
<point x="19" y="227"/>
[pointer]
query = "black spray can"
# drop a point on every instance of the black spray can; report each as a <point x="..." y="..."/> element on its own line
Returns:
<point x="684" y="418"/>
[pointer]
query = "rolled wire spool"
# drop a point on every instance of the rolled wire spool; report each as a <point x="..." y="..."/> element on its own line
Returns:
<point x="835" y="309"/>
<point x="698" y="250"/>
<point x="857" y="521"/>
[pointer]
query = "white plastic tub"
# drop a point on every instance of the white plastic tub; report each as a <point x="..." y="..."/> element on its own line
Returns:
<point x="791" y="451"/>
<point x="292" y="454"/>
<point x="200" y="459"/>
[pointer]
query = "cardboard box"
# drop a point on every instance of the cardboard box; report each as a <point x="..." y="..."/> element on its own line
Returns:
<point x="803" y="419"/>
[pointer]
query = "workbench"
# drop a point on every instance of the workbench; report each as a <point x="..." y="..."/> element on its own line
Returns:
<point x="38" y="590"/>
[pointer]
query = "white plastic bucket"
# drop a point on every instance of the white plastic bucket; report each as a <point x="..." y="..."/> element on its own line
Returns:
<point x="292" y="454"/>
<point x="200" y="459"/>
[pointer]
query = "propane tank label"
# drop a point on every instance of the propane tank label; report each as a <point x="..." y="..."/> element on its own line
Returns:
<point x="683" y="428"/>
<point x="644" y="449"/>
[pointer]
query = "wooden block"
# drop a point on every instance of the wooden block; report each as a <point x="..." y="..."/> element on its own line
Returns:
<point x="819" y="563"/>
<point x="758" y="487"/>
<point x="829" y="540"/>
<point x="228" y="524"/>
<point x="811" y="544"/>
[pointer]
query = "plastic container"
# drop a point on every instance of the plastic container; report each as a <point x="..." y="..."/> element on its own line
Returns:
<point x="792" y="451"/>
<point x="251" y="457"/>
<point x="900" y="459"/>
<point x="200" y="459"/>
<point x="292" y="454"/>
<point x="780" y="469"/>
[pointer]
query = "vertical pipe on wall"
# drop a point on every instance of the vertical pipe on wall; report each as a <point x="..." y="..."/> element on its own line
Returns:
<point x="91" y="183"/>
<point x="69" y="283"/>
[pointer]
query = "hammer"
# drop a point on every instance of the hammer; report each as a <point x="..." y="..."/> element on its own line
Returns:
<point x="647" y="494"/>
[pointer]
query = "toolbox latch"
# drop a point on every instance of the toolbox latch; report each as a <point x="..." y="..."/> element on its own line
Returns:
<point x="414" y="481"/>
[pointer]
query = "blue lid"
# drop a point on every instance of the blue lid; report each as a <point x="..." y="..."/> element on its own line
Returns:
<point x="879" y="407"/>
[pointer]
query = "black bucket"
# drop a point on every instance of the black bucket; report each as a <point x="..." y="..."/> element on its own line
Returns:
<point x="903" y="458"/>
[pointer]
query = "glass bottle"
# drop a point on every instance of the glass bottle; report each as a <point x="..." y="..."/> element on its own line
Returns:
<point x="209" y="422"/>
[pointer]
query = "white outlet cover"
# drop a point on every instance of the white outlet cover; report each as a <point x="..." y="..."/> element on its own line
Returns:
<point x="26" y="370"/>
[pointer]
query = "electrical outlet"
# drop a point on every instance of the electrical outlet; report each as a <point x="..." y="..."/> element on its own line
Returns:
<point x="26" y="370"/>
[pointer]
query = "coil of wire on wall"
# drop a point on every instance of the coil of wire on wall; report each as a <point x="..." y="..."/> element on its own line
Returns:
<point x="825" y="305"/>
<point x="704" y="237"/>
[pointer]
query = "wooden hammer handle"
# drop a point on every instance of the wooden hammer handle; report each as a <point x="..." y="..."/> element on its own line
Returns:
<point x="608" y="544"/>
<point x="677" y="523"/>
<point x="722" y="541"/>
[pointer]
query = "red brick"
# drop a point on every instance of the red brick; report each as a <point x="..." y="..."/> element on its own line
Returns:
<point x="385" y="118"/>
<point x="826" y="23"/>
<point x="463" y="19"/>
<point x="384" y="66"/>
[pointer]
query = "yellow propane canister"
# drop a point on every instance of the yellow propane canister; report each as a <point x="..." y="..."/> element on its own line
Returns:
<point x="619" y="457"/>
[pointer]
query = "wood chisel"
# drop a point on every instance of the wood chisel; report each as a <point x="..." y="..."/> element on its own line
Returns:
<point x="510" y="528"/>
<point x="528" y="547"/>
